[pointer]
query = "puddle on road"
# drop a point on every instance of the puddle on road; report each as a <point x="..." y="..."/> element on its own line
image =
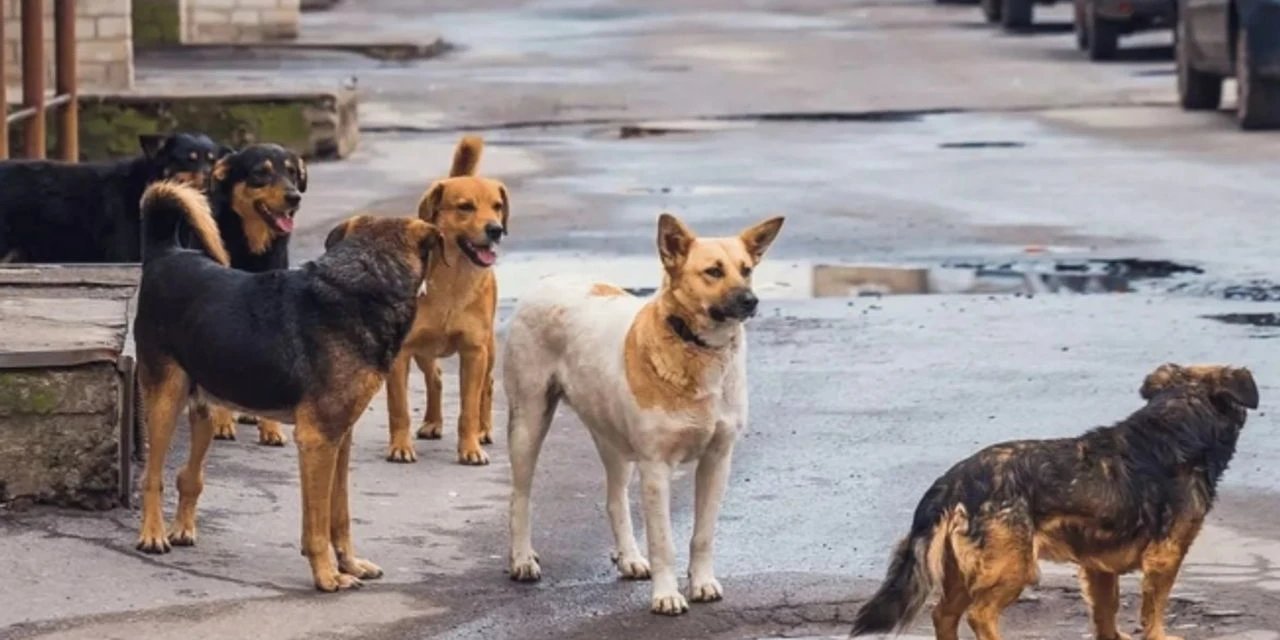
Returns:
<point x="798" y="279"/>
<point x="1265" y="325"/>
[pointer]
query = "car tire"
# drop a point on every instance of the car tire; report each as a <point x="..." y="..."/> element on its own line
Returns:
<point x="1015" y="15"/>
<point x="1081" y="28"/>
<point x="1104" y="37"/>
<point x="1197" y="90"/>
<point x="1257" y="99"/>
<point x="991" y="10"/>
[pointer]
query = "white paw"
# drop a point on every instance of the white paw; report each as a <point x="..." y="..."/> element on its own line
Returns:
<point x="525" y="567"/>
<point x="669" y="604"/>
<point x="708" y="590"/>
<point x="631" y="567"/>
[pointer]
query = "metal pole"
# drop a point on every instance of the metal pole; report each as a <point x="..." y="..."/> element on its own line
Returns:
<point x="64" y="34"/>
<point x="4" y="97"/>
<point x="33" y="75"/>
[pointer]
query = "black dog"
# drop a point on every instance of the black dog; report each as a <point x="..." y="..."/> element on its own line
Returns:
<point x="1126" y="497"/>
<point x="62" y="212"/>
<point x="310" y="346"/>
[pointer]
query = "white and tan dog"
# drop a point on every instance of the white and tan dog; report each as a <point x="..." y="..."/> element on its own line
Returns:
<point x="657" y="382"/>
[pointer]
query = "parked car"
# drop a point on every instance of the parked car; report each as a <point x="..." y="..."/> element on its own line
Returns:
<point x="1100" y="23"/>
<point x="1011" y="14"/>
<point x="1221" y="38"/>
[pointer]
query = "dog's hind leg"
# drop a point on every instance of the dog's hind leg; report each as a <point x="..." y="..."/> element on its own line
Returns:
<point x="432" y="427"/>
<point x="182" y="533"/>
<point x="626" y="555"/>
<point x="340" y="521"/>
<point x="401" y="447"/>
<point x="998" y="571"/>
<point x="955" y="599"/>
<point x="528" y="420"/>
<point x="164" y="392"/>
<point x="1101" y="590"/>
<point x="486" y="393"/>
<point x="712" y="478"/>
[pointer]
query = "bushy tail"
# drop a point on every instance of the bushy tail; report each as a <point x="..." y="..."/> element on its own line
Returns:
<point x="165" y="205"/>
<point x="912" y="575"/>
<point x="466" y="157"/>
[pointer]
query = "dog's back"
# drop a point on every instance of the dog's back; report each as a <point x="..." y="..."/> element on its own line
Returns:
<point x="61" y="212"/>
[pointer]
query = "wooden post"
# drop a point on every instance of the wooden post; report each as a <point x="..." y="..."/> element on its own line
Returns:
<point x="4" y="97"/>
<point x="33" y="76"/>
<point x="64" y="34"/>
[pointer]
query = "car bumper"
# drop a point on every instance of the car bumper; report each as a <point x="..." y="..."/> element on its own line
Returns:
<point x="1147" y="11"/>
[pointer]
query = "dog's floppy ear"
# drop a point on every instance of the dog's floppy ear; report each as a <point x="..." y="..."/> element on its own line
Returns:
<point x="758" y="238"/>
<point x="1238" y="385"/>
<point x="151" y="143"/>
<point x="302" y="172"/>
<point x="429" y="205"/>
<point x="1158" y="380"/>
<point x="222" y="168"/>
<point x="338" y="233"/>
<point x="506" y="209"/>
<point x="674" y="242"/>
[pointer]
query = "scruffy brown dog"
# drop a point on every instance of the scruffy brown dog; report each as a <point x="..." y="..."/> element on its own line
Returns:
<point x="1127" y="497"/>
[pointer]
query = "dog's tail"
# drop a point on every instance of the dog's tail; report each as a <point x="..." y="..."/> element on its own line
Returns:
<point x="914" y="571"/>
<point x="467" y="156"/>
<point x="165" y="206"/>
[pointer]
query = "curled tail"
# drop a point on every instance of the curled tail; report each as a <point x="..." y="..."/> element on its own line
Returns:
<point x="466" y="156"/>
<point x="165" y="205"/>
<point x="914" y="571"/>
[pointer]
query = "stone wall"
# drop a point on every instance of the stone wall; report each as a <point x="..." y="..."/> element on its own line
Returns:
<point x="229" y="21"/>
<point x="104" y="44"/>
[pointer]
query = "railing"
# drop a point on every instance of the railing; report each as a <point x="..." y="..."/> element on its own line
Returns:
<point x="35" y="105"/>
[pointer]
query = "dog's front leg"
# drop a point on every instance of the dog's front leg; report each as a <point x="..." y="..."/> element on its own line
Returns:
<point x="1160" y="565"/>
<point x="401" y="447"/>
<point x="318" y="455"/>
<point x="655" y="481"/>
<point x="475" y="364"/>
<point x="340" y="520"/>
<point x="712" y="478"/>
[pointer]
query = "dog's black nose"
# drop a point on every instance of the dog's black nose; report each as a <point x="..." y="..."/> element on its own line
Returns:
<point x="494" y="231"/>
<point x="746" y="302"/>
<point x="292" y="198"/>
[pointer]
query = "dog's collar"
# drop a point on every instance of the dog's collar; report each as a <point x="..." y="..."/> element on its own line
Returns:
<point x="681" y="328"/>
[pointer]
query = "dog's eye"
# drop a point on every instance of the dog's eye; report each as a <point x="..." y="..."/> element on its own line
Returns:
<point x="746" y="271"/>
<point x="467" y="206"/>
<point x="195" y="155"/>
<point x="715" y="272"/>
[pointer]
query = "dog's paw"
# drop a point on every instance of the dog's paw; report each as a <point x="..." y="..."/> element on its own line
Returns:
<point x="525" y="567"/>
<point x="708" y="590"/>
<point x="182" y="535"/>
<point x="271" y="436"/>
<point x="337" y="582"/>
<point x="154" y="542"/>
<point x="486" y="437"/>
<point x="631" y="567"/>
<point x="359" y="568"/>
<point x="1125" y="636"/>
<point x="224" y="431"/>
<point x="431" y="430"/>
<point x="668" y="604"/>
<point x="474" y="457"/>
<point x="401" y="453"/>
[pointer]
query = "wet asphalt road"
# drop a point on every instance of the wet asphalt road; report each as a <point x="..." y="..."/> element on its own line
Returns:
<point x="856" y="404"/>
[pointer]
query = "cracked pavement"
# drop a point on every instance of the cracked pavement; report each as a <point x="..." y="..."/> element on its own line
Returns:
<point x="857" y="404"/>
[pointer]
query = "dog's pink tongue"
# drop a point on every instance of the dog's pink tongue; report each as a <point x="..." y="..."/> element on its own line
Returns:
<point x="284" y="223"/>
<point x="486" y="255"/>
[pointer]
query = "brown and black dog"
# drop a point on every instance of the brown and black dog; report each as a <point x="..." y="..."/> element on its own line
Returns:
<point x="1131" y="496"/>
<point x="456" y="314"/>
<point x="315" y="360"/>
<point x="256" y="193"/>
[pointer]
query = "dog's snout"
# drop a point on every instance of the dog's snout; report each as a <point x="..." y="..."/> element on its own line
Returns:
<point x="494" y="231"/>
<point x="747" y="301"/>
<point x="292" y="198"/>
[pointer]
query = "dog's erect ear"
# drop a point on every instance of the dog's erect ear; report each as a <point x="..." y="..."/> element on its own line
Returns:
<point x="674" y="241"/>
<point x="429" y="205"/>
<point x="151" y="144"/>
<point x="758" y="238"/>
<point x="302" y="172"/>
<point x="338" y="233"/>
<point x="506" y="210"/>
<point x="1238" y="385"/>
<point x="1158" y="380"/>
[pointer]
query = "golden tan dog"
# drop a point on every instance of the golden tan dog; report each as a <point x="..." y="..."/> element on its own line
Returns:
<point x="456" y="313"/>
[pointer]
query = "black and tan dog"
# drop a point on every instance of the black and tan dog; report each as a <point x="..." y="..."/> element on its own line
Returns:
<point x="88" y="212"/>
<point x="456" y="314"/>
<point x="256" y="193"/>
<point x="1127" y="497"/>
<point x="315" y="359"/>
